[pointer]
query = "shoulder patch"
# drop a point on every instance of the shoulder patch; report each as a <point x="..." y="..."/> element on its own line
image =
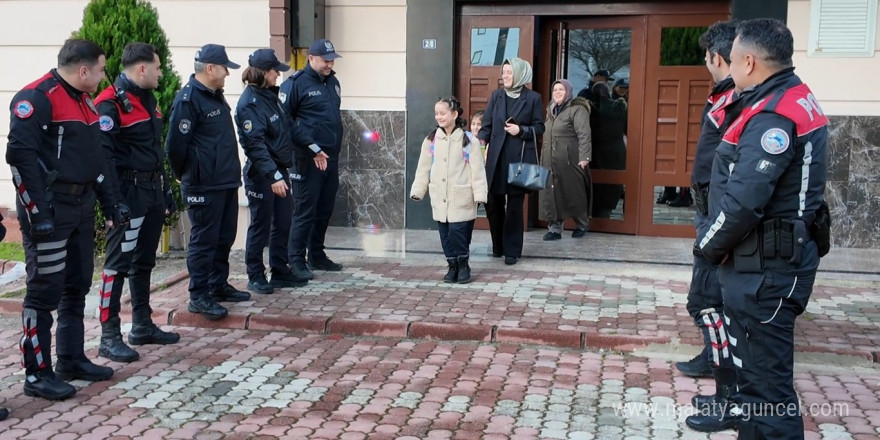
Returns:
<point x="106" y="123"/>
<point x="721" y="100"/>
<point x="247" y="126"/>
<point x="283" y="97"/>
<point x="775" y="141"/>
<point x="184" y="126"/>
<point x="23" y="109"/>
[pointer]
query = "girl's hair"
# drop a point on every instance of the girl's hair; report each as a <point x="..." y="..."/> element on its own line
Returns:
<point x="254" y="76"/>
<point x="455" y="106"/>
<point x="478" y="114"/>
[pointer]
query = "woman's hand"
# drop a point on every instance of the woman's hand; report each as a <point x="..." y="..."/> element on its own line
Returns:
<point x="583" y="164"/>
<point x="512" y="129"/>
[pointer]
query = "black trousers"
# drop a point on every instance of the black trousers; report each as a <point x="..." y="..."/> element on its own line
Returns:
<point x="131" y="251"/>
<point x="214" y="220"/>
<point x="760" y="311"/>
<point x="59" y="275"/>
<point x="706" y="305"/>
<point x="505" y="215"/>
<point x="456" y="238"/>
<point x="314" y="197"/>
<point x="270" y="225"/>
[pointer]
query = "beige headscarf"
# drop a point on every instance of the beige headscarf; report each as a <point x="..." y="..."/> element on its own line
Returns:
<point x="522" y="75"/>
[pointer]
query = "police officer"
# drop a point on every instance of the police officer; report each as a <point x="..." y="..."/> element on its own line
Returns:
<point x="203" y="154"/>
<point x="705" y="304"/>
<point x="54" y="142"/>
<point x="311" y="98"/>
<point x="264" y="133"/>
<point x="132" y="127"/>
<point x="766" y="188"/>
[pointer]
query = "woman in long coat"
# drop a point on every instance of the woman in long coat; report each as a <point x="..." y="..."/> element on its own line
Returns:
<point x="566" y="153"/>
<point x="512" y="120"/>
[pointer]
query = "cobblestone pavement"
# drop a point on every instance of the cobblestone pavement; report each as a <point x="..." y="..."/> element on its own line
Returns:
<point x="450" y="363"/>
<point x="550" y="306"/>
<point x="237" y="384"/>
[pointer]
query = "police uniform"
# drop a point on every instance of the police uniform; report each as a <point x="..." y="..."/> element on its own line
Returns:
<point x="132" y="126"/>
<point x="55" y="154"/>
<point x="264" y="133"/>
<point x="313" y="101"/>
<point x="704" y="303"/>
<point x="203" y="154"/>
<point x="767" y="184"/>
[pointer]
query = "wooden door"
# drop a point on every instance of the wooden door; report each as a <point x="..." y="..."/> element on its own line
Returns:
<point x="579" y="48"/>
<point x="484" y="42"/>
<point x="676" y="86"/>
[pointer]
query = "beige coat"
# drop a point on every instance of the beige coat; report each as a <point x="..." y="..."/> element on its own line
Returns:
<point x="456" y="184"/>
<point x="567" y="141"/>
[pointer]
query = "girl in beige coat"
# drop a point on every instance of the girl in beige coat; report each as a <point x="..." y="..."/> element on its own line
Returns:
<point x="451" y="169"/>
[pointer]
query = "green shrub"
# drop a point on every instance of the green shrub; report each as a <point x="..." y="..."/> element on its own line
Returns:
<point x="112" y="24"/>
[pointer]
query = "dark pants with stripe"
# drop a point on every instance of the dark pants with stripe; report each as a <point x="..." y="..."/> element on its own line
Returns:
<point x="270" y="225"/>
<point x="214" y="218"/>
<point x="131" y="250"/>
<point x="314" y="197"/>
<point x="505" y="215"/>
<point x="706" y="305"/>
<point x="59" y="275"/>
<point x="760" y="310"/>
<point x="456" y="238"/>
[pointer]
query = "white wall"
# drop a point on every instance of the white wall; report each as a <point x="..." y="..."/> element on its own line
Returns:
<point x="844" y="86"/>
<point x="30" y="51"/>
<point x="371" y="37"/>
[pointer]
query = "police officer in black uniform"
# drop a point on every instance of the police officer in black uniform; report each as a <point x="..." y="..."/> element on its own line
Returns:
<point x="766" y="227"/>
<point x="311" y="97"/>
<point x="705" y="304"/>
<point x="264" y="133"/>
<point x="203" y="154"/>
<point x="132" y="127"/>
<point x="57" y="164"/>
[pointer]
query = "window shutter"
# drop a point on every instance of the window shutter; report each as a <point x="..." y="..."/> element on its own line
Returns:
<point x="842" y="28"/>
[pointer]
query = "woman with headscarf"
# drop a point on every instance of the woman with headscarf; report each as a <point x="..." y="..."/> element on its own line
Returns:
<point x="511" y="120"/>
<point x="566" y="153"/>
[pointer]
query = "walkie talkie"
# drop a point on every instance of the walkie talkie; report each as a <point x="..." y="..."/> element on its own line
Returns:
<point x="122" y="99"/>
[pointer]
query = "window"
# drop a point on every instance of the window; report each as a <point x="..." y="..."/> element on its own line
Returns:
<point x="491" y="46"/>
<point x="680" y="46"/>
<point x="842" y="28"/>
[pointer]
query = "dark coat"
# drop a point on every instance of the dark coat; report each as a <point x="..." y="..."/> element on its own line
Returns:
<point x="504" y="149"/>
<point x="567" y="141"/>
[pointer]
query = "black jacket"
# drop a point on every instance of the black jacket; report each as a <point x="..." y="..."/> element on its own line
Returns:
<point x="54" y="137"/>
<point x="528" y="111"/>
<point x="718" y="107"/>
<point x="771" y="164"/>
<point x="132" y="129"/>
<point x="201" y="142"/>
<point x="264" y="132"/>
<point x="312" y="102"/>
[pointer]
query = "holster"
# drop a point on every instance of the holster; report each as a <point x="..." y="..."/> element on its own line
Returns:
<point x="701" y="197"/>
<point x="774" y="243"/>
<point x="747" y="255"/>
<point x="821" y="229"/>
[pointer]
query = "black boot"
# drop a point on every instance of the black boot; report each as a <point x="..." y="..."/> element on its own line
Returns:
<point x="452" y="275"/>
<point x="699" y="366"/>
<point x="682" y="200"/>
<point x="718" y="412"/>
<point x="144" y="331"/>
<point x="301" y="271"/>
<point x="80" y="367"/>
<point x="4" y="413"/>
<point x="112" y="346"/>
<point x="36" y="352"/>
<point x="464" y="270"/>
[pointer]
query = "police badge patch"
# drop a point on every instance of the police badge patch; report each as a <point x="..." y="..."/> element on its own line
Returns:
<point x="247" y="126"/>
<point x="106" y="123"/>
<point x="283" y="97"/>
<point x="184" y="126"/>
<point x="23" y="109"/>
<point x="775" y="141"/>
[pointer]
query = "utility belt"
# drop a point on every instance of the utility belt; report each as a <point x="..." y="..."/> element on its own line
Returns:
<point x="73" y="189"/>
<point x="775" y="243"/>
<point x="701" y="197"/>
<point x="136" y="176"/>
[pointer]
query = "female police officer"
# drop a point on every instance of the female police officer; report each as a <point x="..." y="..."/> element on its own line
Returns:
<point x="264" y="133"/>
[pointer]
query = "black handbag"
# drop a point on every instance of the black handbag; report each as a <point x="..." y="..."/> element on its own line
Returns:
<point x="526" y="175"/>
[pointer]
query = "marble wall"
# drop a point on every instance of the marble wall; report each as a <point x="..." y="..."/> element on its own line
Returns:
<point x="853" y="190"/>
<point x="372" y="175"/>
